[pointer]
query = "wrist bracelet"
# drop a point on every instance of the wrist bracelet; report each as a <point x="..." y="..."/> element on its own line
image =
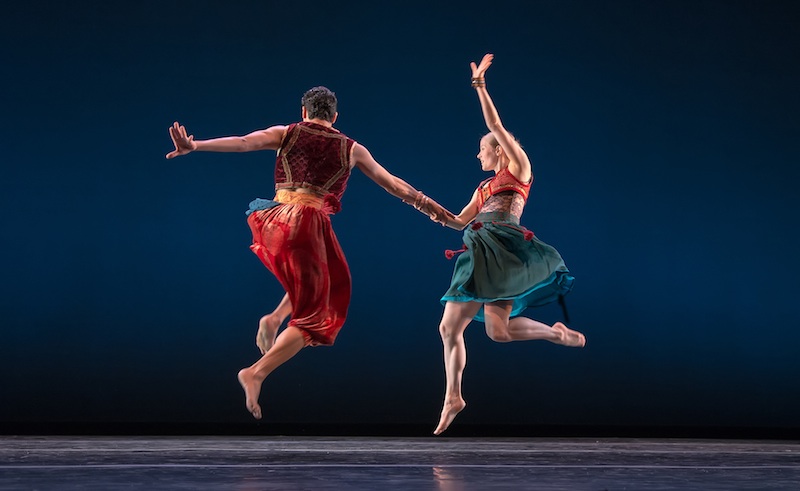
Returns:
<point x="420" y="200"/>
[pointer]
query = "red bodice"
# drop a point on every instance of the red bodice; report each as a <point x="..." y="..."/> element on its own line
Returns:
<point x="313" y="156"/>
<point x="502" y="181"/>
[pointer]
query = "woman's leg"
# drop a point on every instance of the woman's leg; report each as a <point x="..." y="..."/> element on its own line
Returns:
<point x="456" y="317"/>
<point x="288" y="344"/>
<point x="269" y="324"/>
<point x="502" y="329"/>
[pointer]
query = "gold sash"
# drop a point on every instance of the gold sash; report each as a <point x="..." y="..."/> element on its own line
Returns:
<point x="289" y="197"/>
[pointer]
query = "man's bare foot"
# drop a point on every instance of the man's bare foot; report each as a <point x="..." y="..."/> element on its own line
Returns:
<point x="568" y="337"/>
<point x="450" y="410"/>
<point x="267" y="331"/>
<point x="252" y="389"/>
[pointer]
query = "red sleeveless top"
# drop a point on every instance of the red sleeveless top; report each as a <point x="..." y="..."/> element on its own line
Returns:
<point x="502" y="181"/>
<point x="314" y="156"/>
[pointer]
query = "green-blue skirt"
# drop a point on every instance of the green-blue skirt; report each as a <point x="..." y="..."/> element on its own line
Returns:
<point x="503" y="261"/>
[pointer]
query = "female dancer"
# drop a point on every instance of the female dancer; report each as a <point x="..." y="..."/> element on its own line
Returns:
<point x="503" y="268"/>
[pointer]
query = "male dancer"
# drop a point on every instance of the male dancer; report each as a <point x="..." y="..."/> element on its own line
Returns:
<point x="292" y="234"/>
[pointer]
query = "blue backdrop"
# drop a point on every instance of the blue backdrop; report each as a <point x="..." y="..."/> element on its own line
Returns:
<point x="664" y="136"/>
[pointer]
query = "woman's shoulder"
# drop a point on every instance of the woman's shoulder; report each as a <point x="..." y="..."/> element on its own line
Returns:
<point x="522" y="176"/>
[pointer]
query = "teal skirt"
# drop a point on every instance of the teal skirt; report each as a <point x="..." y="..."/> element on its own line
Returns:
<point x="503" y="261"/>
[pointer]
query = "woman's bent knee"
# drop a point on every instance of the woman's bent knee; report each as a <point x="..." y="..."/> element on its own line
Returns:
<point x="497" y="335"/>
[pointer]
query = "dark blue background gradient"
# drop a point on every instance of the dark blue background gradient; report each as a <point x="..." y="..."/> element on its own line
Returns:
<point x="664" y="136"/>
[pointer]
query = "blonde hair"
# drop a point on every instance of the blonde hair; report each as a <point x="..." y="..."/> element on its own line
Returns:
<point x="493" y="140"/>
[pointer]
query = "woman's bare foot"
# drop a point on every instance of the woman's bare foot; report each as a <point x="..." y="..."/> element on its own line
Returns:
<point x="267" y="331"/>
<point x="252" y="389"/>
<point x="568" y="337"/>
<point x="450" y="410"/>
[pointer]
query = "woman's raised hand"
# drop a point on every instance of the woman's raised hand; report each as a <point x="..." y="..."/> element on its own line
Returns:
<point x="479" y="70"/>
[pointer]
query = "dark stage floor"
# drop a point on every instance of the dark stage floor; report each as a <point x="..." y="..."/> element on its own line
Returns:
<point x="320" y="464"/>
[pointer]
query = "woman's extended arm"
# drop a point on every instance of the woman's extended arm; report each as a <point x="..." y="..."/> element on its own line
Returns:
<point x="267" y="139"/>
<point x="520" y="165"/>
<point x="460" y="221"/>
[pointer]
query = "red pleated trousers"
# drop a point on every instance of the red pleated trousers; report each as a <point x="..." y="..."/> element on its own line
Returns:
<point x="297" y="244"/>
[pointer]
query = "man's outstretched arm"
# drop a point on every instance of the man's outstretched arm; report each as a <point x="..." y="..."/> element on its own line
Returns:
<point x="266" y="139"/>
<point x="398" y="187"/>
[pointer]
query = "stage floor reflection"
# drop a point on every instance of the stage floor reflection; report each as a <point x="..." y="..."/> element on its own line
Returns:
<point x="379" y="464"/>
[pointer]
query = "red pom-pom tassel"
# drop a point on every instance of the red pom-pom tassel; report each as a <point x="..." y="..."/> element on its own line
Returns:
<point x="450" y="254"/>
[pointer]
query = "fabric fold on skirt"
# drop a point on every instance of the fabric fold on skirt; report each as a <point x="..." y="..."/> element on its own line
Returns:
<point x="503" y="261"/>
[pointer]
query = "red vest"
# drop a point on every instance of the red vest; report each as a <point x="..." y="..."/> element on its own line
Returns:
<point x="313" y="156"/>
<point x="502" y="181"/>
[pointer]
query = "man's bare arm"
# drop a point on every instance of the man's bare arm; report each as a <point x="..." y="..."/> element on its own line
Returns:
<point x="266" y="139"/>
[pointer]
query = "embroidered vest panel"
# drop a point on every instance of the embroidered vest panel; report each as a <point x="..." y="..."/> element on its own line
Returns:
<point x="313" y="156"/>
<point x="502" y="181"/>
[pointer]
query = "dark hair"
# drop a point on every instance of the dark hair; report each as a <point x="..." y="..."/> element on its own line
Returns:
<point x="320" y="103"/>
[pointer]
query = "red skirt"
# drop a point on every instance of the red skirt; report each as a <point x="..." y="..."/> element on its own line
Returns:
<point x="297" y="244"/>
